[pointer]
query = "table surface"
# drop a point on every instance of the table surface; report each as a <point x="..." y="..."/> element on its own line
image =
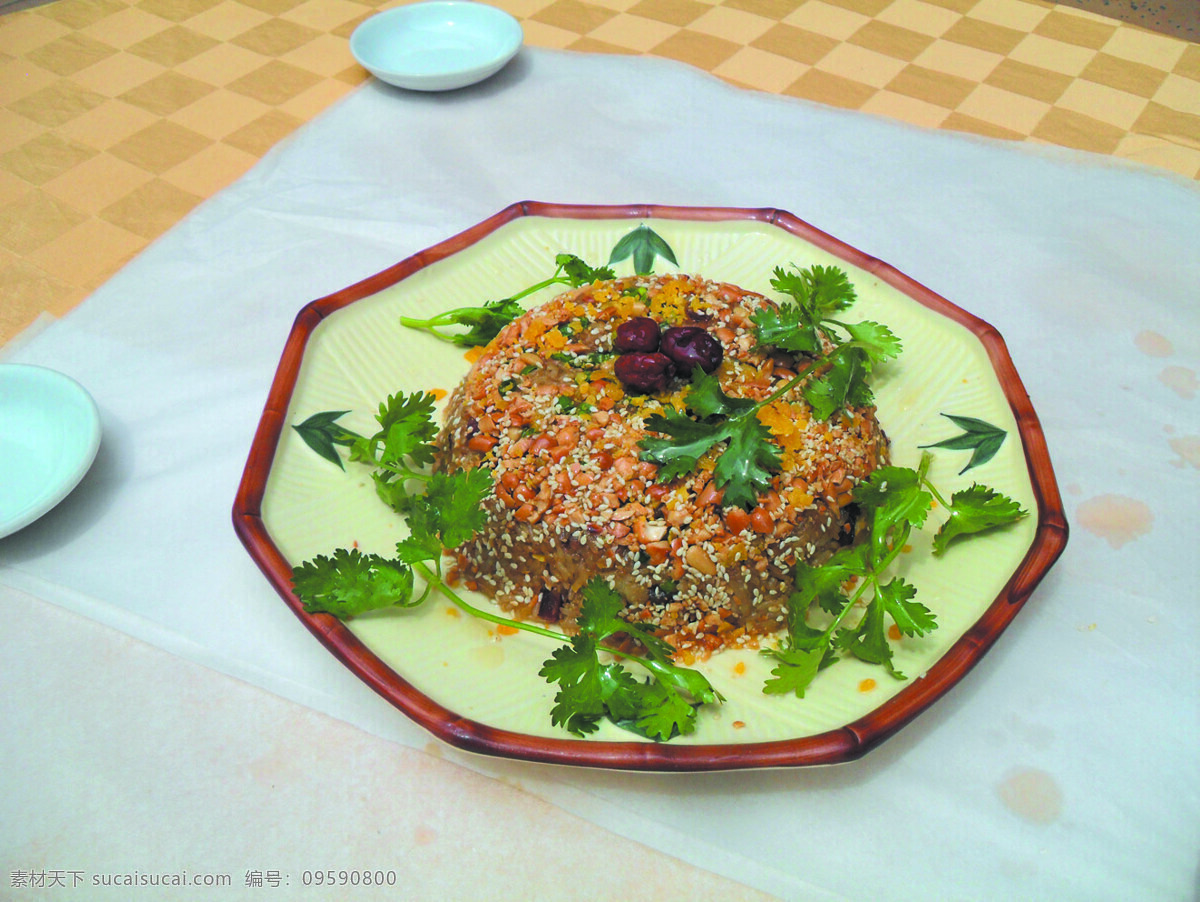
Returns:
<point x="119" y="117"/>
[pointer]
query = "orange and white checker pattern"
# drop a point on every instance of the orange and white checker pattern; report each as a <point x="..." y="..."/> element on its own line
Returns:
<point x="117" y="117"/>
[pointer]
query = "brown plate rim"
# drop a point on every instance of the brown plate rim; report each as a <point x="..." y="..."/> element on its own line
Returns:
<point x="844" y="744"/>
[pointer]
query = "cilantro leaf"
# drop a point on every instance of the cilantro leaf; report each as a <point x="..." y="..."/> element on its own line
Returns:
<point x="876" y="340"/>
<point x="417" y="548"/>
<point x="688" y="441"/>
<point x="978" y="436"/>
<point x="664" y="714"/>
<point x="400" y="448"/>
<point x="894" y="501"/>
<point x="579" y="273"/>
<point x="400" y="407"/>
<point x="844" y="383"/>
<point x="579" y="704"/>
<point x="746" y="467"/>
<point x="706" y="398"/>
<point x="599" y="613"/>
<point x="794" y="671"/>
<point x="450" y="511"/>
<point x="407" y="430"/>
<point x="894" y="495"/>
<point x="786" y="327"/>
<point x="974" y="510"/>
<point x="681" y="679"/>
<point x="486" y="322"/>
<point x="588" y="690"/>
<point x="805" y="325"/>
<point x="823" y="584"/>
<point x="867" y="641"/>
<point x="911" y="617"/>
<point x="392" y="491"/>
<point x="819" y="291"/>
<point x="351" y="583"/>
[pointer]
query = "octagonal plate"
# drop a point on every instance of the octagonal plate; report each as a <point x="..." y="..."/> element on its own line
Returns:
<point x="477" y="687"/>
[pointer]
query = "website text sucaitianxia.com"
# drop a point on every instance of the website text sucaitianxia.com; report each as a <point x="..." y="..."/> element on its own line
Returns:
<point x="64" y="878"/>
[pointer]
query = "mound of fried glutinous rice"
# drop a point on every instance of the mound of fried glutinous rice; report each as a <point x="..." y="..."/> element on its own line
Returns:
<point x="544" y="411"/>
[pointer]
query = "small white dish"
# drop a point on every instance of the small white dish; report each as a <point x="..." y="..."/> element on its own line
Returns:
<point x="49" y="436"/>
<point x="438" y="45"/>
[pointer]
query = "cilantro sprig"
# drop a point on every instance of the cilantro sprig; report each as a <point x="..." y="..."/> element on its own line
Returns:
<point x="660" y="707"/>
<point x="834" y="377"/>
<point x="840" y="364"/>
<point x="749" y="458"/>
<point x="485" y="322"/>
<point x="442" y="511"/>
<point x="893" y="502"/>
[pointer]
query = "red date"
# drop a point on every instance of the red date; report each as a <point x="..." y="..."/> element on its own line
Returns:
<point x="689" y="347"/>
<point x="637" y="334"/>
<point x="645" y="372"/>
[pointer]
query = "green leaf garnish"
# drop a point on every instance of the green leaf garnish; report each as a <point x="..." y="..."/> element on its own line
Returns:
<point x="795" y="669"/>
<point x="401" y="448"/>
<point x="806" y="325"/>
<point x="893" y="502"/>
<point x="818" y="291"/>
<point x="351" y="583"/>
<point x="485" y="322"/>
<point x="660" y="708"/>
<point x="451" y="509"/>
<point x="748" y="459"/>
<point x="974" y="510"/>
<point x="980" y="437"/>
<point x="643" y="244"/>
<point x="843" y="384"/>
<point x="321" y="433"/>
<point x="444" y="510"/>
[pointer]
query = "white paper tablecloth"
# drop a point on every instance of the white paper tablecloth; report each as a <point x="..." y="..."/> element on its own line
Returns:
<point x="1064" y="766"/>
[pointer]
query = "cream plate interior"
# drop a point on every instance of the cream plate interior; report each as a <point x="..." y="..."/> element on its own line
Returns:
<point x="359" y="355"/>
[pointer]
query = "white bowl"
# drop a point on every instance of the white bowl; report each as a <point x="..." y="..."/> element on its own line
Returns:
<point x="49" y="435"/>
<point x="436" y="45"/>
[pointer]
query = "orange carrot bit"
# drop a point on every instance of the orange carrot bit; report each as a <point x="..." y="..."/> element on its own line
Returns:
<point x="736" y="520"/>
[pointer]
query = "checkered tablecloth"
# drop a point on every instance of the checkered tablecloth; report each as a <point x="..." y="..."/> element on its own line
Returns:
<point x="1031" y="780"/>
<point x="117" y="117"/>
